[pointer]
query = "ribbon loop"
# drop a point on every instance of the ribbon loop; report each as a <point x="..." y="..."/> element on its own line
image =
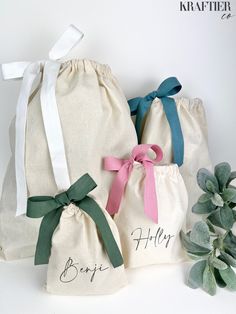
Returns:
<point x="139" y="154"/>
<point x="81" y="188"/>
<point x="140" y="107"/>
<point x="29" y="71"/>
<point x="51" y="209"/>
<point x="169" y="87"/>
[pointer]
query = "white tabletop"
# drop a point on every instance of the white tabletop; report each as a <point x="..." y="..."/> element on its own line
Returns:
<point x="151" y="290"/>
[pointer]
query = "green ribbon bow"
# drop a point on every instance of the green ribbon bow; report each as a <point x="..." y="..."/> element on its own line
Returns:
<point x="51" y="209"/>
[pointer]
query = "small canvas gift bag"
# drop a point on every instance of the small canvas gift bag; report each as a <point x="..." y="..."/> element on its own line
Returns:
<point x="80" y="242"/>
<point x="149" y="203"/>
<point x="179" y="126"/>
<point x="77" y="115"/>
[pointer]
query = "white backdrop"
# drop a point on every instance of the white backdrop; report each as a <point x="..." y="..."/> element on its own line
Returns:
<point x="144" y="41"/>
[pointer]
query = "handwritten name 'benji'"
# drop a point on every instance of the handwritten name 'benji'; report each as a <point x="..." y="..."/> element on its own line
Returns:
<point x="217" y="6"/>
<point x="147" y="239"/>
<point x="72" y="270"/>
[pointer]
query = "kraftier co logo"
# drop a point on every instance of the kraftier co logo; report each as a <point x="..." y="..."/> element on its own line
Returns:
<point x="223" y="7"/>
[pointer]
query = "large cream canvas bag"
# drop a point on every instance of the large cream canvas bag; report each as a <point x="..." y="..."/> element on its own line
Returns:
<point x="84" y="251"/>
<point x="145" y="238"/>
<point x="77" y="115"/>
<point x="160" y="125"/>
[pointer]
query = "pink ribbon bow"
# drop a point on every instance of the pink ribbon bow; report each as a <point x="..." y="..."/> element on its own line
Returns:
<point x="124" y="168"/>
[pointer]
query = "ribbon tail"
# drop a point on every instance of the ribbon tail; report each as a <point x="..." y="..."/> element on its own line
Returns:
<point x="44" y="244"/>
<point x="133" y="105"/>
<point x="140" y="117"/>
<point x="94" y="211"/>
<point x="150" y="196"/>
<point x="21" y="116"/>
<point x="117" y="190"/>
<point x="52" y="125"/>
<point x="71" y="37"/>
<point x="172" y="116"/>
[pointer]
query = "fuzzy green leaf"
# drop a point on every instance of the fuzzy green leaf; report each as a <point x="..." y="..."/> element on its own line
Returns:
<point x="195" y="257"/>
<point x="231" y="237"/>
<point x="209" y="282"/>
<point x="220" y="282"/>
<point x="229" y="195"/>
<point x="217" y="263"/>
<point x="191" y="247"/>
<point x="229" y="277"/>
<point x="232" y="177"/>
<point x="229" y="259"/>
<point x="203" y="208"/>
<point x="205" y="198"/>
<point x="200" y="234"/>
<point x="230" y="244"/>
<point x="210" y="186"/>
<point x="202" y="176"/>
<point x="195" y="278"/>
<point x="217" y="200"/>
<point x="222" y="217"/>
<point x="222" y="173"/>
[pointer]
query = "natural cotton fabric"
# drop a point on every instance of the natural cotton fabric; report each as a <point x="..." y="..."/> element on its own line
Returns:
<point x="18" y="235"/>
<point x="95" y="121"/>
<point x="196" y="153"/>
<point x="143" y="241"/>
<point x="78" y="264"/>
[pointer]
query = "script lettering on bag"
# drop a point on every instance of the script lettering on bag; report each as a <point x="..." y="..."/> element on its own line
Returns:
<point x="73" y="270"/>
<point x="224" y="7"/>
<point x="147" y="239"/>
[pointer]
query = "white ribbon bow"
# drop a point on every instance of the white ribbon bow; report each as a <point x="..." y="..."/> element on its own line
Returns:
<point x="29" y="71"/>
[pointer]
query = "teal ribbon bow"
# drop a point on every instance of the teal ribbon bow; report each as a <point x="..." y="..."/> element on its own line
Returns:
<point x="140" y="105"/>
<point x="51" y="209"/>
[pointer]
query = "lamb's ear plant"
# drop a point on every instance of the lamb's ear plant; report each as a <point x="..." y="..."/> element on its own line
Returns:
<point x="211" y="241"/>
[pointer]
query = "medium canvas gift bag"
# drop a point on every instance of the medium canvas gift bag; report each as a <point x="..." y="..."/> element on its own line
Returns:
<point x="77" y="115"/>
<point x="149" y="204"/>
<point x="79" y="240"/>
<point x="179" y="126"/>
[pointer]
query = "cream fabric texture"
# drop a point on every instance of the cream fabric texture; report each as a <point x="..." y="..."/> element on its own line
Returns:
<point x="143" y="241"/>
<point x="18" y="235"/>
<point x="96" y="122"/>
<point x="78" y="264"/>
<point x="196" y="153"/>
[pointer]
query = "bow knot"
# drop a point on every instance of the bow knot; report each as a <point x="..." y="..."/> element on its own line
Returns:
<point x="151" y="96"/>
<point x="124" y="168"/>
<point x="63" y="199"/>
<point x="139" y="106"/>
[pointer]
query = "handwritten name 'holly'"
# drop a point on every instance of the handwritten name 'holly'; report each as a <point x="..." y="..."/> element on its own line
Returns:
<point x="147" y="239"/>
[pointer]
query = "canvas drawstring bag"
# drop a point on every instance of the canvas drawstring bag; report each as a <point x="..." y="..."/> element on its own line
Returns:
<point x="77" y="115"/>
<point x="149" y="204"/>
<point x="179" y="126"/>
<point x="79" y="241"/>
